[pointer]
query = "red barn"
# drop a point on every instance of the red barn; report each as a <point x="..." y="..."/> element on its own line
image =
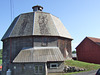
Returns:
<point x="0" y="68"/>
<point x="89" y="50"/>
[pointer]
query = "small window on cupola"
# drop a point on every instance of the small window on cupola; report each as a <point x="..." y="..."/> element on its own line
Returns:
<point x="44" y="41"/>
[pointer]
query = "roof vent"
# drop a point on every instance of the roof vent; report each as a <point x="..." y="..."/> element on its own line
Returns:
<point x="37" y="8"/>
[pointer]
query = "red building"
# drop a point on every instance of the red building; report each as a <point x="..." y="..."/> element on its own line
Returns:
<point x="0" y="68"/>
<point x="89" y="50"/>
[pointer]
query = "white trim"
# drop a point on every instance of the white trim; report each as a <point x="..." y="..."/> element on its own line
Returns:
<point x="51" y="65"/>
<point x="46" y="70"/>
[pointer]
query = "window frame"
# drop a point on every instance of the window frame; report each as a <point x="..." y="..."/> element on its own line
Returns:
<point x="51" y="65"/>
<point x="38" y="69"/>
<point x="44" y="41"/>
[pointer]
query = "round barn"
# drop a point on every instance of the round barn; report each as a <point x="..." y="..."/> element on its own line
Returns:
<point x="35" y="43"/>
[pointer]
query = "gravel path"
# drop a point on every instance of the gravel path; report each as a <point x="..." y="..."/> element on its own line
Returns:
<point x="87" y="73"/>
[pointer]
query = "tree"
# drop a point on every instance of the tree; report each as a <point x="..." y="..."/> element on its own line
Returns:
<point x="73" y="52"/>
<point x="1" y="53"/>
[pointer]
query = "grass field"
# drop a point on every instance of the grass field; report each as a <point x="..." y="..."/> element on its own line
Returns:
<point x="0" y="53"/>
<point x="0" y="56"/>
<point x="87" y="66"/>
<point x="0" y="62"/>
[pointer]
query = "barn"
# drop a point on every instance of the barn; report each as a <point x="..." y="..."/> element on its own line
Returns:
<point x="36" y="43"/>
<point x="89" y="50"/>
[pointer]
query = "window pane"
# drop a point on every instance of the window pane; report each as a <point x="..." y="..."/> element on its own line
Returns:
<point x="53" y="65"/>
<point x="36" y="69"/>
<point x="40" y="69"/>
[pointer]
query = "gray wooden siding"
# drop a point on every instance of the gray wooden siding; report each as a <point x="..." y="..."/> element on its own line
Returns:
<point x="51" y="42"/>
<point x="26" y="69"/>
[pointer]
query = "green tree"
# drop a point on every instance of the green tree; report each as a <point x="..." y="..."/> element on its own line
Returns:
<point x="73" y="52"/>
<point x="1" y="53"/>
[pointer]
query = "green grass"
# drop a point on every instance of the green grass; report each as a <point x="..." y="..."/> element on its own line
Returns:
<point x="0" y="56"/>
<point x="0" y="61"/>
<point x="70" y="73"/>
<point x="87" y="66"/>
<point x="62" y="73"/>
<point x="0" y="53"/>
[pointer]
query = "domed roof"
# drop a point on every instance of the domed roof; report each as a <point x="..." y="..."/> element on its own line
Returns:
<point x="36" y="23"/>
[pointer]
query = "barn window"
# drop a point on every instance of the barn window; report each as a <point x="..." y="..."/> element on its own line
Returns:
<point x="44" y="41"/>
<point x="38" y="69"/>
<point x="53" y="65"/>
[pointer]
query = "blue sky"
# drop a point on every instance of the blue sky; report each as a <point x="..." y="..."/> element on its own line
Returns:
<point x="80" y="17"/>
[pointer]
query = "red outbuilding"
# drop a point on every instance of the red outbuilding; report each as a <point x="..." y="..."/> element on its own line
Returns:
<point x="0" y="68"/>
<point x="89" y="50"/>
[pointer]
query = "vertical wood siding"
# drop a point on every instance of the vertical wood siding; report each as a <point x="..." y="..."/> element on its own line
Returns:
<point x="88" y="51"/>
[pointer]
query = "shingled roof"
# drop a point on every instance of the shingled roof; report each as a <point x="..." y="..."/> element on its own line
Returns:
<point x="36" y="23"/>
<point x="95" y="40"/>
<point x="39" y="54"/>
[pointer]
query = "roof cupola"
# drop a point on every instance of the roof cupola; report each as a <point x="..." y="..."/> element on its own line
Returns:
<point x="37" y="8"/>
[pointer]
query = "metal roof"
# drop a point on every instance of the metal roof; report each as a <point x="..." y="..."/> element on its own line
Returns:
<point x="36" y="23"/>
<point x="39" y="54"/>
<point x="95" y="40"/>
